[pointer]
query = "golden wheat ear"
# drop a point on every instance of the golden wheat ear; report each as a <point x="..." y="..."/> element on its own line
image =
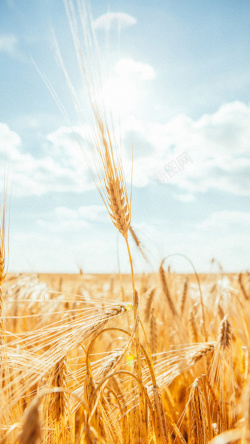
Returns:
<point x="118" y="205"/>
<point x="165" y="289"/>
<point x="103" y="149"/>
<point x="222" y="376"/>
<point x="198" y="413"/>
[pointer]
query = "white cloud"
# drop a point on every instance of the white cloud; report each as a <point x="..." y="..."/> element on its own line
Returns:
<point x="119" y="19"/>
<point x="96" y="213"/>
<point x="226" y="220"/>
<point x="62" y="167"/>
<point x="64" y="218"/>
<point x="64" y="146"/>
<point x="87" y="213"/>
<point x="9" y="45"/>
<point x="53" y="226"/>
<point x="129" y="67"/>
<point x="9" y="142"/>
<point x="65" y="213"/>
<point x="123" y="89"/>
<point x="223" y="235"/>
<point x="218" y="145"/>
<point x="185" y="197"/>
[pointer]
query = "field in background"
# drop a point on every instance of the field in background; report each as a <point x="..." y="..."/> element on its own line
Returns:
<point x="201" y="376"/>
<point x="73" y="282"/>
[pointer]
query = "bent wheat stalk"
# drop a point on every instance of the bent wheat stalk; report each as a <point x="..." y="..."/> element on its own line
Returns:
<point x="52" y="344"/>
<point x="199" y="286"/>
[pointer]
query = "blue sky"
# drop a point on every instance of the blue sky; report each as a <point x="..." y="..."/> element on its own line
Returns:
<point x="179" y="79"/>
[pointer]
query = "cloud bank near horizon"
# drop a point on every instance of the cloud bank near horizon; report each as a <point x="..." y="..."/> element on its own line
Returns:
<point x="217" y="143"/>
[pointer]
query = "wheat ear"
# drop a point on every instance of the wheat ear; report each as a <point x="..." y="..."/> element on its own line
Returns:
<point x="198" y="413"/>
<point x="118" y="205"/>
<point x="149" y="300"/>
<point x="203" y="351"/>
<point x="60" y="401"/>
<point x="166" y="289"/>
<point x="225" y="333"/>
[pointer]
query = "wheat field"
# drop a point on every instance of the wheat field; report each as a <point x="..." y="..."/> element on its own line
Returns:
<point x="69" y="376"/>
<point x="132" y="358"/>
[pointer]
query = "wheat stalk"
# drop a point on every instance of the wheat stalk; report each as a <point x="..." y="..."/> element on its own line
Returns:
<point x="153" y="332"/>
<point x="149" y="301"/>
